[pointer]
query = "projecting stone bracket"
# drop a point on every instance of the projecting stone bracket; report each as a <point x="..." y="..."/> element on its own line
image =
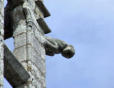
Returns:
<point x="14" y="72"/>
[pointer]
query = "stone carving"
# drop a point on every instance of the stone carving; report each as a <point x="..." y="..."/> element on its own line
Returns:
<point x="56" y="46"/>
<point x="24" y="22"/>
<point x="52" y="46"/>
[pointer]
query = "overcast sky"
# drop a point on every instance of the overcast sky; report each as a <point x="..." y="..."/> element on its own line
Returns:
<point x="89" y="26"/>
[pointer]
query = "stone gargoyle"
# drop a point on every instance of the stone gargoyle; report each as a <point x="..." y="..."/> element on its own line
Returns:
<point x="56" y="46"/>
<point x="52" y="46"/>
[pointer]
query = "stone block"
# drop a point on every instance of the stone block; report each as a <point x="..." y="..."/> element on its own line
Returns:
<point x="35" y="58"/>
<point x="43" y="25"/>
<point x="20" y="40"/>
<point x="14" y="71"/>
<point x="21" y="53"/>
<point x="43" y="8"/>
<point x="38" y="13"/>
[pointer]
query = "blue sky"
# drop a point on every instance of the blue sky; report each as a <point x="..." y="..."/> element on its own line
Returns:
<point x="89" y="26"/>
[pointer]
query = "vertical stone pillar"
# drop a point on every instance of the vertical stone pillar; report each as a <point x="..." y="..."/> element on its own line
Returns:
<point x="1" y="42"/>
<point x="28" y="46"/>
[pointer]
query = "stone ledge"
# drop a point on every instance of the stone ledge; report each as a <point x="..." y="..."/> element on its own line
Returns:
<point x="43" y="25"/>
<point x="14" y="71"/>
<point x="43" y="8"/>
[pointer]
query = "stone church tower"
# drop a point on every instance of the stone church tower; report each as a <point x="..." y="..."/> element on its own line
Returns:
<point x="24" y="21"/>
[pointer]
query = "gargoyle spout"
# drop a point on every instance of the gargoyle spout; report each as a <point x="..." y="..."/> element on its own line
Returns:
<point x="56" y="46"/>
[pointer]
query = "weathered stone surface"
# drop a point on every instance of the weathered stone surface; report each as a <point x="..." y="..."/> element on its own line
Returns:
<point x="28" y="45"/>
<point x="56" y="46"/>
<point x="1" y="42"/>
<point x="26" y="25"/>
<point x="42" y="8"/>
<point x="20" y="37"/>
<point x="39" y="11"/>
<point x="43" y="25"/>
<point x="14" y="71"/>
